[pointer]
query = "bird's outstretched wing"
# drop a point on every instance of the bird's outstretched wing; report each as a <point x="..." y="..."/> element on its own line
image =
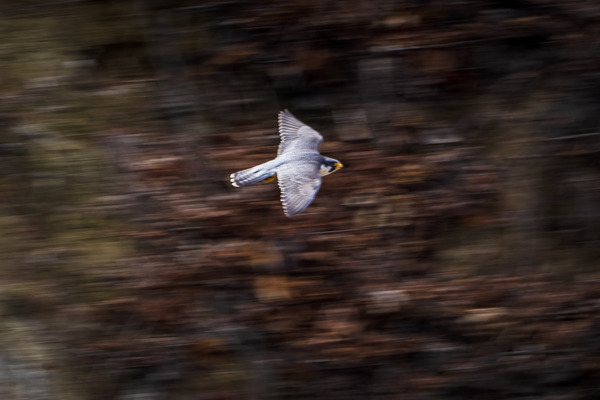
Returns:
<point x="299" y="183"/>
<point x="296" y="136"/>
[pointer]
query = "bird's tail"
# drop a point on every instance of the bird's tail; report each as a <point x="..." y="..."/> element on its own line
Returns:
<point x="246" y="177"/>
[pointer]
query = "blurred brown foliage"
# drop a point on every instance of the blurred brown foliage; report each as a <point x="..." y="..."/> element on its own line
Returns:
<point x="455" y="256"/>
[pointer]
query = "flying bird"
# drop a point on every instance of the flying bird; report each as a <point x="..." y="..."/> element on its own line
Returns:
<point x="299" y="167"/>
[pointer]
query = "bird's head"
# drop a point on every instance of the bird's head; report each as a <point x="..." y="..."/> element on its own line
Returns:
<point x="330" y="165"/>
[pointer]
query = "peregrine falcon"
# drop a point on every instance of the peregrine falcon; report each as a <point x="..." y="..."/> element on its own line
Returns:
<point x="298" y="166"/>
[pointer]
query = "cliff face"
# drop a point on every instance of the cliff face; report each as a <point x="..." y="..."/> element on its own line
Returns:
<point x="453" y="257"/>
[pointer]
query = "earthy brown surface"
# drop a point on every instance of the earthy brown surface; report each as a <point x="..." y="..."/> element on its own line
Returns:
<point x="454" y="257"/>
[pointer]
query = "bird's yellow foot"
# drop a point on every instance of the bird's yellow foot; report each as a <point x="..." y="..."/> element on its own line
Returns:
<point x="269" y="179"/>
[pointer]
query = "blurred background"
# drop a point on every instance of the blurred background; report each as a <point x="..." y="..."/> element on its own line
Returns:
<point x="454" y="257"/>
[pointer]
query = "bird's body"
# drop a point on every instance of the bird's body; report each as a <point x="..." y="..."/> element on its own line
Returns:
<point x="298" y="166"/>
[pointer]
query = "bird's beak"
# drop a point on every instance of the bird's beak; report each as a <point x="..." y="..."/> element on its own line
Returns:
<point x="338" y="165"/>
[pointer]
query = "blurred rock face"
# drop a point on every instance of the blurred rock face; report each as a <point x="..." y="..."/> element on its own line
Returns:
<point x="428" y="267"/>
